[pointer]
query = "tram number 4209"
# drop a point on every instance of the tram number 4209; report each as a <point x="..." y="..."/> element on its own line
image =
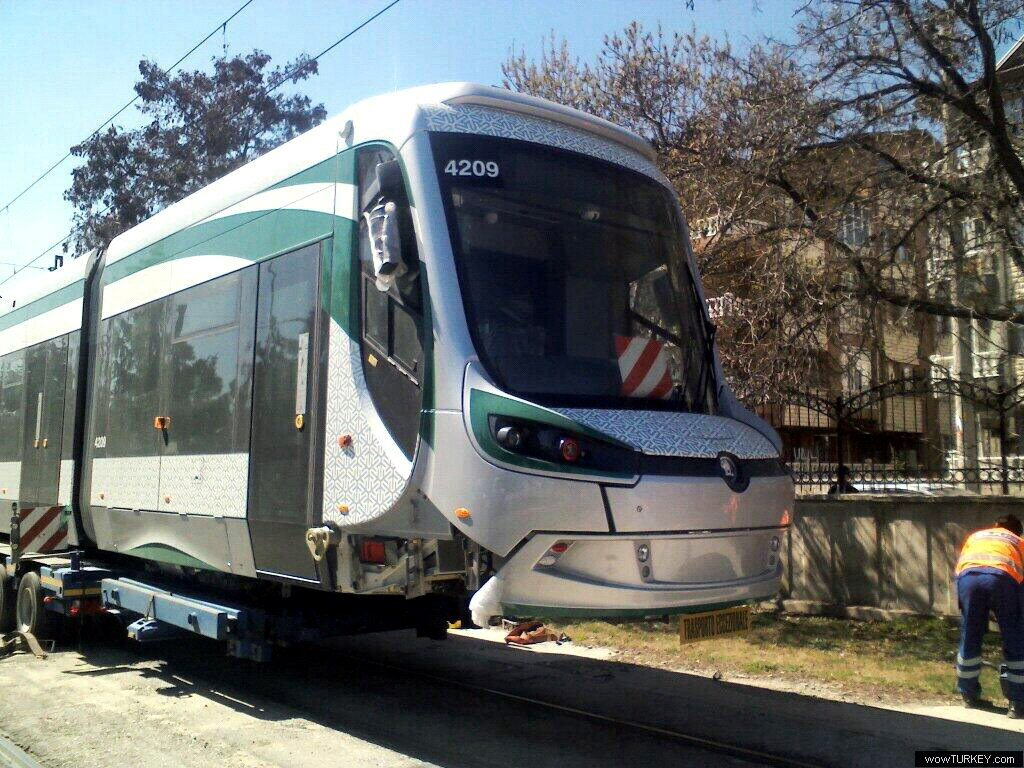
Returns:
<point x="478" y="168"/>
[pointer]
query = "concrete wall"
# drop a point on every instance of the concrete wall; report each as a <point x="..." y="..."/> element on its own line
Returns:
<point x="882" y="552"/>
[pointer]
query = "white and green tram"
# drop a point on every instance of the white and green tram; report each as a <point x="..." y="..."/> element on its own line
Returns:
<point x="449" y="342"/>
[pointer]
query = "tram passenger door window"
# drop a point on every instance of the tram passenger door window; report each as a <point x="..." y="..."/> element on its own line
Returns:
<point x="284" y="376"/>
<point x="35" y="374"/>
<point x="46" y="366"/>
<point x="52" y="421"/>
<point x="205" y="378"/>
<point x="70" y="401"/>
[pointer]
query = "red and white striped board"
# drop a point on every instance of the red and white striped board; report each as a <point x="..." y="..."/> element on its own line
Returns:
<point x="643" y="366"/>
<point x="42" y="529"/>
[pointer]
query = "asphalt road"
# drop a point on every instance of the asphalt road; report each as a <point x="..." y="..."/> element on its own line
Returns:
<point x="392" y="700"/>
<point x="185" y="704"/>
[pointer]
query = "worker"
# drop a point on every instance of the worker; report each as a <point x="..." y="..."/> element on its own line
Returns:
<point x="989" y="577"/>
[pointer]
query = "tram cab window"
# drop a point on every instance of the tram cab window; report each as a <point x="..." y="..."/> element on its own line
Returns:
<point x="575" y="277"/>
<point x="392" y="319"/>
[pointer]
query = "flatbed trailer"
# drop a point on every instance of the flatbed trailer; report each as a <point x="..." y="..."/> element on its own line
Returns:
<point x="37" y="591"/>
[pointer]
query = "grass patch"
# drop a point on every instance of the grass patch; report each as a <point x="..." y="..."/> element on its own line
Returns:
<point x="906" y="660"/>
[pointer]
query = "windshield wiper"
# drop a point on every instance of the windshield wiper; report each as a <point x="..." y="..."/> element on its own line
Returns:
<point x="657" y="330"/>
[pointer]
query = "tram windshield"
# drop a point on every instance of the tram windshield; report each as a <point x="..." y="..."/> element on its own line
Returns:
<point x="574" y="276"/>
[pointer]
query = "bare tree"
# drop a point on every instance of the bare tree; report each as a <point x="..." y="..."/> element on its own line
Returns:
<point x="930" y="66"/>
<point x="824" y="179"/>
<point x="731" y="134"/>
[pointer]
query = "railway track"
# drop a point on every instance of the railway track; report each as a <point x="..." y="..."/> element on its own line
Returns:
<point x="465" y="703"/>
<point x="757" y="757"/>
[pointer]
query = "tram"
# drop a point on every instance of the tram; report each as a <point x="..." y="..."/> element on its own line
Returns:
<point x="451" y="342"/>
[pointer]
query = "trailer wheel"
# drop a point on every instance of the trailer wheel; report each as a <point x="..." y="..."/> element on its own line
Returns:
<point x="6" y="601"/>
<point x="32" y="614"/>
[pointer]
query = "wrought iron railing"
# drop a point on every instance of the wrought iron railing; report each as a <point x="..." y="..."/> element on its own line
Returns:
<point x="915" y="435"/>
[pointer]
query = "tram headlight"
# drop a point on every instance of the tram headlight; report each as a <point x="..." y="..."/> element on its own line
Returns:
<point x="510" y="437"/>
<point x="774" y="544"/>
<point x="643" y="552"/>
<point x="559" y="447"/>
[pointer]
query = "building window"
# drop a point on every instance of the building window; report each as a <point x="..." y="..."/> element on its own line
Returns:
<point x="857" y="376"/>
<point x="854" y="228"/>
<point x="973" y="231"/>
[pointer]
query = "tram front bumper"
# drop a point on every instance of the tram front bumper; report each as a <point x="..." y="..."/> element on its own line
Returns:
<point x="635" y="575"/>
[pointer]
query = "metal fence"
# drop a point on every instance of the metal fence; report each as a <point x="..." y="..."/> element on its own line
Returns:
<point x="915" y="435"/>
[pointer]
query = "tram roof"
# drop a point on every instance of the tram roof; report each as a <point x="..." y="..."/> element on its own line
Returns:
<point x="392" y="117"/>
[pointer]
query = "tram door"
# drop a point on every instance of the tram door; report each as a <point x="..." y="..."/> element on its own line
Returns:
<point x="282" y="428"/>
<point x="45" y="370"/>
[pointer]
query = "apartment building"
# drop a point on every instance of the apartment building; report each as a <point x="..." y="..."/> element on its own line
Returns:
<point x="976" y="267"/>
<point x="865" y="344"/>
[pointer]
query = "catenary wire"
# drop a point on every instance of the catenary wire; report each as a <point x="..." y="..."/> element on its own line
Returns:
<point x="114" y="116"/>
<point x="281" y="81"/>
<point x="287" y="75"/>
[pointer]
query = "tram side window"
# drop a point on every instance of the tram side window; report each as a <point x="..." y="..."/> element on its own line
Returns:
<point x="392" y="320"/>
<point x="133" y="347"/>
<point x="12" y="381"/>
<point x="203" y="388"/>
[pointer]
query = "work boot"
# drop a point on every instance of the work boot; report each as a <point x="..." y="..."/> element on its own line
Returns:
<point x="971" y="702"/>
<point x="1016" y="710"/>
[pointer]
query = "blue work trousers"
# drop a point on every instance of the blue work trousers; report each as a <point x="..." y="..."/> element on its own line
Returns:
<point x="981" y="592"/>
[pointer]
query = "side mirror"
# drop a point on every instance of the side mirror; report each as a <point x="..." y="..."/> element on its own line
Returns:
<point x="385" y="243"/>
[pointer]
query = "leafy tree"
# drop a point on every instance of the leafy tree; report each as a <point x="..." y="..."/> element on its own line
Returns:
<point x="200" y="127"/>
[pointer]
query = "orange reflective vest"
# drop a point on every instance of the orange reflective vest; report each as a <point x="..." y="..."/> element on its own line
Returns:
<point x="993" y="548"/>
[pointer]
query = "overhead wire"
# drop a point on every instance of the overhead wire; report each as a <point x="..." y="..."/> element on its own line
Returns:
<point x="270" y="89"/>
<point x="135" y="98"/>
<point x="221" y="26"/>
<point x="288" y="75"/>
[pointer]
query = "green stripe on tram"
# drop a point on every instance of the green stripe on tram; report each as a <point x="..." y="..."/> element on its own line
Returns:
<point x="58" y="298"/>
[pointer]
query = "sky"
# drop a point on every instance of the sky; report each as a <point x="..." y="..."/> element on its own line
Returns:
<point x="67" y="66"/>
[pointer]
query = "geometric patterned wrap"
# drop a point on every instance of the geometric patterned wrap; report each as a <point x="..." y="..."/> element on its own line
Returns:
<point x="671" y="433"/>
<point x="215" y="484"/>
<point x="128" y="482"/>
<point x="10" y="482"/>
<point x="465" y="118"/>
<point x="365" y="477"/>
<point x="67" y="476"/>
